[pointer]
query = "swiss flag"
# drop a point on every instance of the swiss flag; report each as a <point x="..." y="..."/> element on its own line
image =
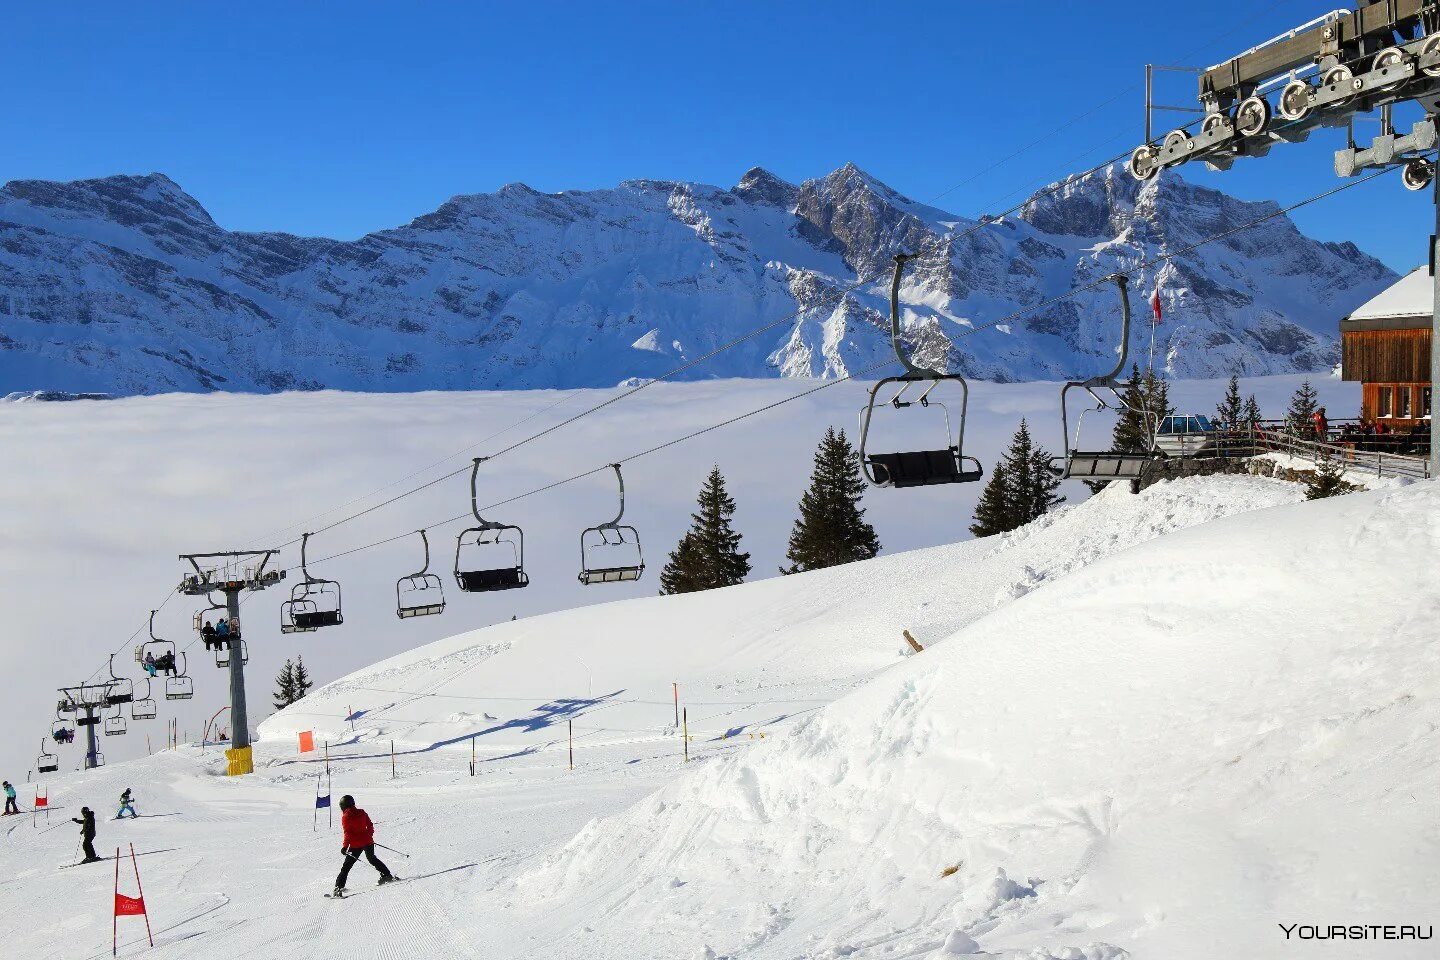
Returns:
<point x="129" y="906"/>
<point x="1155" y="300"/>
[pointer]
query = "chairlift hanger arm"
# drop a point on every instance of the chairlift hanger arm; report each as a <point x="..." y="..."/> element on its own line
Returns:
<point x="480" y="521"/>
<point x="912" y="372"/>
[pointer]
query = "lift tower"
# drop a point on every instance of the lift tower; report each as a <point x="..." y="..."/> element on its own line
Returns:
<point x="232" y="572"/>
<point x="86" y="700"/>
<point x="1326" y="73"/>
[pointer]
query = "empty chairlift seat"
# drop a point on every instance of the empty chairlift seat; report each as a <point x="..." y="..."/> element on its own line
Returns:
<point x="610" y="552"/>
<point x="314" y="602"/>
<point x="916" y="468"/>
<point x="1104" y="465"/>
<point x="420" y="594"/>
<point x="489" y="556"/>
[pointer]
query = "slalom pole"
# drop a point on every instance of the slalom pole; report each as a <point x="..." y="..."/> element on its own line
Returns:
<point x="675" y="688"/>
<point x="114" y="913"/>
<point x="570" y="724"/>
<point x="140" y="890"/>
<point x="685" y="732"/>
<point x="472" y="755"/>
<point x="392" y="759"/>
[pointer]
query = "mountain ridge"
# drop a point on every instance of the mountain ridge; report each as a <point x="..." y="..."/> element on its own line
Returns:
<point x="126" y="285"/>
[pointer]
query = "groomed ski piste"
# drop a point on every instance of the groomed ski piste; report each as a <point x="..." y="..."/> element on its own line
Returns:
<point x="1166" y="725"/>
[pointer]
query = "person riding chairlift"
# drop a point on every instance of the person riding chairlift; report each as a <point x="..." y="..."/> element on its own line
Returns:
<point x="222" y="632"/>
<point x="207" y="634"/>
<point x="149" y="665"/>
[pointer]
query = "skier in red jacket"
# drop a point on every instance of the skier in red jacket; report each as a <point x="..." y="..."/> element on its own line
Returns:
<point x="359" y="838"/>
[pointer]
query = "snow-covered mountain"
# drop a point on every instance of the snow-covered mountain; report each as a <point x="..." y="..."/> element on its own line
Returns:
<point x="126" y="285"/>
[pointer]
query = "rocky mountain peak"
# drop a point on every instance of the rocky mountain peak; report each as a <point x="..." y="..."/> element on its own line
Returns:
<point x="759" y="185"/>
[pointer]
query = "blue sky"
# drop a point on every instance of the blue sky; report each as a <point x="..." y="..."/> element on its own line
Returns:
<point x="335" y="120"/>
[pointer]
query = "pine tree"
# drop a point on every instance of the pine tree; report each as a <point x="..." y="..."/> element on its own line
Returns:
<point x="1328" y="480"/>
<point x="1229" y="411"/>
<point x="708" y="555"/>
<point x="302" y="678"/>
<point x="1303" y="404"/>
<point x="1021" y="487"/>
<point x="831" y="528"/>
<point x="1251" y="415"/>
<point x="285" y="686"/>
<point x="1146" y="402"/>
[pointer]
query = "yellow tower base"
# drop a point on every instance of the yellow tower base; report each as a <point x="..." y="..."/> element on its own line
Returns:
<point x="240" y="761"/>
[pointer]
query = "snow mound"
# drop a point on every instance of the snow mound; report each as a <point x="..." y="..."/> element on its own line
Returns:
<point x="747" y="659"/>
<point x="1169" y="753"/>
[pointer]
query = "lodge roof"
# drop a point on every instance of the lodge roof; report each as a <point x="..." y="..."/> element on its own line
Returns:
<point x="1405" y="305"/>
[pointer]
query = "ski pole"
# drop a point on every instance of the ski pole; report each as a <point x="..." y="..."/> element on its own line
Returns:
<point x="393" y="850"/>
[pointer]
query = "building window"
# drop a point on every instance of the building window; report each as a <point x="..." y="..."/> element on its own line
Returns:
<point x="1386" y="405"/>
<point x="1425" y="402"/>
<point x="1404" y="411"/>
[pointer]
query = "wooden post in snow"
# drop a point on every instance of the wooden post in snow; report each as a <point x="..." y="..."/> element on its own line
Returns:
<point x="685" y="732"/>
<point x="571" y="725"/>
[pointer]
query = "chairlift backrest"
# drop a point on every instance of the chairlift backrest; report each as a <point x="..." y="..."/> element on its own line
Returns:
<point x="916" y="468"/>
<point x="608" y="537"/>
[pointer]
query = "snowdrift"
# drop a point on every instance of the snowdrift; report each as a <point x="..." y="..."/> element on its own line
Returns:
<point x="747" y="659"/>
<point x="1175" y="752"/>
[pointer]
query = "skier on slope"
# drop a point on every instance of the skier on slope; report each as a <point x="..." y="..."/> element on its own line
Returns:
<point x="127" y="802"/>
<point x="10" y="806"/>
<point x="359" y="837"/>
<point x="87" y="833"/>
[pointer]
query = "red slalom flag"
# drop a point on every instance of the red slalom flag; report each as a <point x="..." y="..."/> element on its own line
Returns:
<point x="1155" y="300"/>
<point x="129" y="906"/>
<point x="126" y="906"/>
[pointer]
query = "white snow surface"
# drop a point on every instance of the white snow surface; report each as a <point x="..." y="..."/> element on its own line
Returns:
<point x="1176" y="742"/>
<point x="1169" y="753"/>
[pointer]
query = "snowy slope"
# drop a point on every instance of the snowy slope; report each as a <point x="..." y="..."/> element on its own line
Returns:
<point x="748" y="658"/>
<point x="1171" y="753"/>
<point x="1111" y="777"/>
<point x="126" y="285"/>
<point x="240" y="869"/>
<point x="111" y="492"/>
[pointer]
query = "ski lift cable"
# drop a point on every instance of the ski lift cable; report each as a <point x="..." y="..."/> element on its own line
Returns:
<point x="415" y="473"/>
<point x="825" y="300"/>
<point x="1024" y="311"/>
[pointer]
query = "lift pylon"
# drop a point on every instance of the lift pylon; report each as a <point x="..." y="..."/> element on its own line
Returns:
<point x="232" y="572"/>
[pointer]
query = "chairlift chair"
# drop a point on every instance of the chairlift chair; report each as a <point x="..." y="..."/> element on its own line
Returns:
<point x="612" y="540"/>
<point x="224" y="652"/>
<point x="916" y="468"/>
<point x="180" y="687"/>
<point x="120" y="689"/>
<point x="143" y="708"/>
<point x="115" y="726"/>
<point x="314" y="602"/>
<point x="484" y="539"/>
<point x="1104" y="465"/>
<point x="46" y="762"/>
<point x="163" y="653"/>
<point x="62" y="731"/>
<point x="98" y="759"/>
<point x="420" y="594"/>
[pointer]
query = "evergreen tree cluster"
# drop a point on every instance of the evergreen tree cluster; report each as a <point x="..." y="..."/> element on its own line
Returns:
<point x="831" y="527"/>
<point x="1146" y="402"/>
<point x="1021" y="488"/>
<point x="1234" y="415"/>
<point x="292" y="683"/>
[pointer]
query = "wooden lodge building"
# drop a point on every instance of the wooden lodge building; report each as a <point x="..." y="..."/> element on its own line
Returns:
<point x="1385" y="344"/>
